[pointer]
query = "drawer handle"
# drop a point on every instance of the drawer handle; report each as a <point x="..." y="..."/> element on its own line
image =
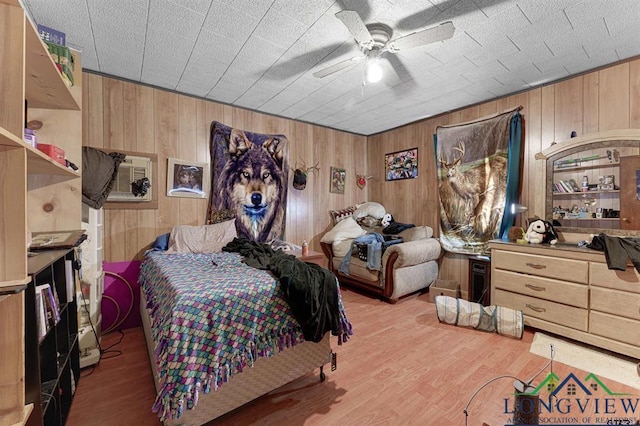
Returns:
<point x="535" y="287"/>
<point x="536" y="265"/>
<point x="535" y="308"/>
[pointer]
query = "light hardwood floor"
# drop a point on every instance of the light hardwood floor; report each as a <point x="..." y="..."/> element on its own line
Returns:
<point x="401" y="367"/>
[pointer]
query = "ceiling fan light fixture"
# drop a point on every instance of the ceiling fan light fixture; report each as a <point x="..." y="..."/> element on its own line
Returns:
<point x="374" y="72"/>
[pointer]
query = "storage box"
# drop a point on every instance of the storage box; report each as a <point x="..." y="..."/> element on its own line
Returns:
<point x="30" y="138"/>
<point x="54" y="152"/>
<point x="50" y="35"/>
<point x="449" y="288"/>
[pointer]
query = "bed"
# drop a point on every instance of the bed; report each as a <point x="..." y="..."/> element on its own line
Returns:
<point x="220" y="333"/>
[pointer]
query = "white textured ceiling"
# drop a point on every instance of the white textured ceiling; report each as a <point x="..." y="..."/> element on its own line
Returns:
<point x="261" y="54"/>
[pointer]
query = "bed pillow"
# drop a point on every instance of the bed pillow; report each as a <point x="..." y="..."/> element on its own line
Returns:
<point x="345" y="229"/>
<point x="340" y="215"/>
<point x="161" y="243"/>
<point x="370" y="208"/>
<point x="201" y="239"/>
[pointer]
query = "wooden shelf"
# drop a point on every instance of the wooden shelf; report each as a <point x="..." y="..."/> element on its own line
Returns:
<point x="38" y="163"/>
<point x="579" y="168"/>
<point x="44" y="86"/>
<point x="590" y="218"/>
<point x="5" y="285"/>
<point x="613" y="191"/>
<point x="9" y="139"/>
<point x="39" y="193"/>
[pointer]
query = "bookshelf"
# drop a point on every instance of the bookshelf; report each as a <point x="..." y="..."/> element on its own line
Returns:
<point x="52" y="359"/>
<point x="37" y="193"/>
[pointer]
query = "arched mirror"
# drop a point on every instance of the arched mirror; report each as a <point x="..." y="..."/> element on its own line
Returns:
<point x="592" y="183"/>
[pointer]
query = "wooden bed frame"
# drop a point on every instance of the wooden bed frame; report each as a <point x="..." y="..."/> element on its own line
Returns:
<point x="266" y="375"/>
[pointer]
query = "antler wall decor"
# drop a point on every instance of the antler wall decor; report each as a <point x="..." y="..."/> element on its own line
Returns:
<point x="361" y="180"/>
<point x="300" y="174"/>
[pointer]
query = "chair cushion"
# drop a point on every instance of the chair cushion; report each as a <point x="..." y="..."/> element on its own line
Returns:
<point x="416" y="233"/>
<point x="358" y="270"/>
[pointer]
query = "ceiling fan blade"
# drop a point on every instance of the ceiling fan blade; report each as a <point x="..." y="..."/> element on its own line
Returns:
<point x="337" y="67"/>
<point x="356" y="27"/>
<point x="443" y="31"/>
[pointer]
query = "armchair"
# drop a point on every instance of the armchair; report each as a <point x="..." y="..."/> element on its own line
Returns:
<point x="407" y="267"/>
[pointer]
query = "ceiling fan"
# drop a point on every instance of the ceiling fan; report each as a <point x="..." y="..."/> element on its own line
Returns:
<point x="375" y="39"/>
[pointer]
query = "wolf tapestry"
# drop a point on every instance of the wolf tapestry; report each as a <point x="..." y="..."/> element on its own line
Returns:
<point x="474" y="161"/>
<point x="249" y="181"/>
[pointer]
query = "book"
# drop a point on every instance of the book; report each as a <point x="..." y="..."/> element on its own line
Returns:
<point x="70" y="279"/>
<point x="41" y="316"/>
<point x="566" y="186"/>
<point x="51" y="305"/>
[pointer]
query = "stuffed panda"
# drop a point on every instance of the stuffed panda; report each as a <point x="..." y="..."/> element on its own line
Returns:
<point x="386" y="219"/>
<point x="541" y="231"/>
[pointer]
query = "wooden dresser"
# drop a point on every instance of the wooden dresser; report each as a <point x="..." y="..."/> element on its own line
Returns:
<point x="569" y="291"/>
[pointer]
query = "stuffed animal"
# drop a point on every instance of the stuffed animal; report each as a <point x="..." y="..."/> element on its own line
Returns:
<point x="541" y="231"/>
<point x="386" y="219"/>
<point x="515" y="233"/>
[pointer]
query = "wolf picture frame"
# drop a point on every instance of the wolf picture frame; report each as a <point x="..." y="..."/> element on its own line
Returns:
<point x="187" y="179"/>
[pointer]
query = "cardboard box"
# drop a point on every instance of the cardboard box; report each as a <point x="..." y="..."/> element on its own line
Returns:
<point x="449" y="288"/>
<point x="54" y="152"/>
<point x="50" y="35"/>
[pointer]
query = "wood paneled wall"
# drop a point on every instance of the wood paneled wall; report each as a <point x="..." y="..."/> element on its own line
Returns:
<point x="605" y="99"/>
<point x="124" y="115"/>
<point x="120" y="115"/>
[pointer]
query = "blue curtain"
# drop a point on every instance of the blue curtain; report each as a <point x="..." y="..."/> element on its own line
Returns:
<point x="513" y="173"/>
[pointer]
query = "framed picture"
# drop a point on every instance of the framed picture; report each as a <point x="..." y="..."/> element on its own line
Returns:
<point x="401" y="165"/>
<point x="187" y="178"/>
<point x="338" y="176"/>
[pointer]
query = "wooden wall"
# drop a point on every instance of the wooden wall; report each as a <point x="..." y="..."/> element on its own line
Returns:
<point x="119" y="115"/>
<point x="123" y="115"/>
<point x="605" y="99"/>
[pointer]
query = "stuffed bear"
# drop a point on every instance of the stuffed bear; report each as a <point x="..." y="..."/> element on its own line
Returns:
<point x="515" y="233"/>
<point x="541" y="231"/>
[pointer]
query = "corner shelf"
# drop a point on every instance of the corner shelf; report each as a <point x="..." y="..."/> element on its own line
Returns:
<point x="30" y="182"/>
<point x="44" y="87"/>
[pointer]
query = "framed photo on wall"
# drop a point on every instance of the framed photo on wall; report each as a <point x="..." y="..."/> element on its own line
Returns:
<point x="338" y="177"/>
<point x="401" y="165"/>
<point x="187" y="178"/>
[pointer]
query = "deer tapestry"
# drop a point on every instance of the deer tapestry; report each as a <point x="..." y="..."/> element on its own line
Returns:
<point x="478" y="172"/>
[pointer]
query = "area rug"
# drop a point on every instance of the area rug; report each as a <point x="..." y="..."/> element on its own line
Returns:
<point x="588" y="359"/>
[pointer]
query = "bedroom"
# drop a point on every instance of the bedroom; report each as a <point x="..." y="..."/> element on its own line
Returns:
<point x="122" y="115"/>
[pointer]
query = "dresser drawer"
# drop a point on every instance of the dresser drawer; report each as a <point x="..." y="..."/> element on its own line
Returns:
<point x="543" y="288"/>
<point x="616" y="302"/>
<point x="544" y="266"/>
<point x="613" y="327"/>
<point x="601" y="276"/>
<point x="557" y="313"/>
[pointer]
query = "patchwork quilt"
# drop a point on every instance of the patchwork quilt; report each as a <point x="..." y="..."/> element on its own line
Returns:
<point x="212" y="316"/>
